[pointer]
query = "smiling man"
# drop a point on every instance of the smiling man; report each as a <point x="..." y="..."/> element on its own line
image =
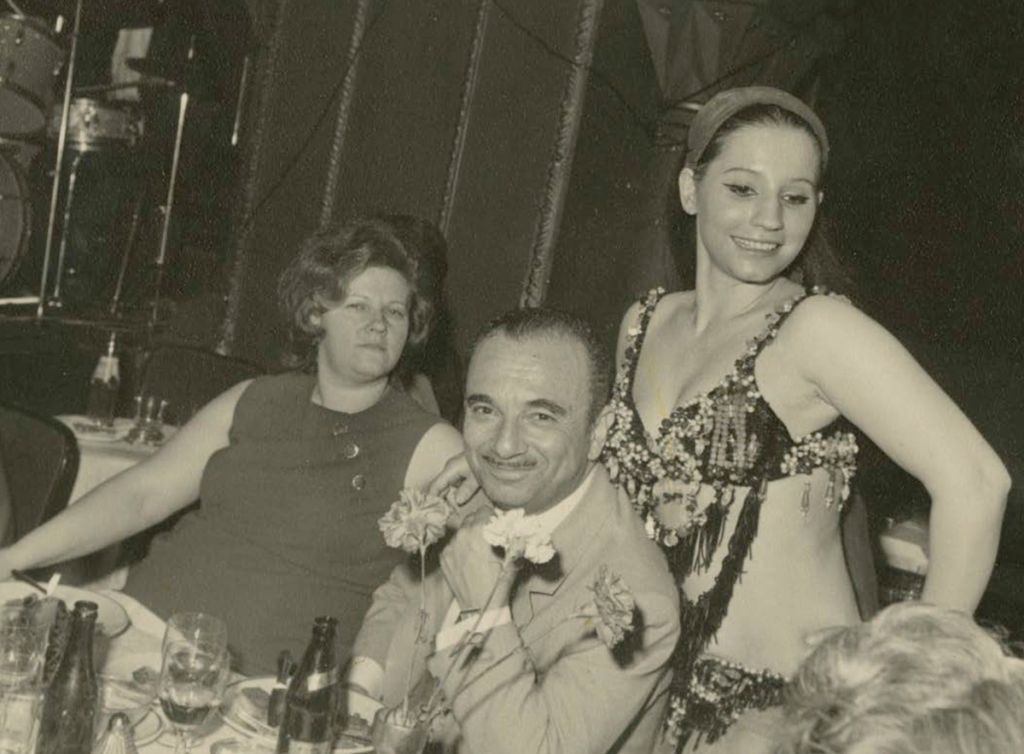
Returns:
<point x="542" y="680"/>
<point x="533" y="392"/>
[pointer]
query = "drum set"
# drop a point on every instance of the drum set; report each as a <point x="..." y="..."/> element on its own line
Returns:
<point x="85" y="128"/>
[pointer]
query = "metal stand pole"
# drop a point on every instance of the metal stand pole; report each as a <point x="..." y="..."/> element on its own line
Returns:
<point x="115" y="301"/>
<point x="168" y="209"/>
<point x="72" y="179"/>
<point x="61" y="139"/>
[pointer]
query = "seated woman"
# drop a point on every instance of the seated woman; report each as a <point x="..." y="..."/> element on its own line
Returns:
<point x="292" y="470"/>
<point x="916" y="678"/>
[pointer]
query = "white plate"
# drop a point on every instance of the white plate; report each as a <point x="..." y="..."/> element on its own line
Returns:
<point x="239" y="717"/>
<point x="111" y="621"/>
<point x="84" y="430"/>
<point x="149" y="728"/>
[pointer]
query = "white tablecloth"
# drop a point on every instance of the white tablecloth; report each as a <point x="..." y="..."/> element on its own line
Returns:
<point x="139" y="646"/>
<point x="905" y="546"/>
<point x="99" y="460"/>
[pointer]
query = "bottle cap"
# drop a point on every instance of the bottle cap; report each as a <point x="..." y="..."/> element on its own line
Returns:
<point x="86" y="609"/>
<point x="325" y="624"/>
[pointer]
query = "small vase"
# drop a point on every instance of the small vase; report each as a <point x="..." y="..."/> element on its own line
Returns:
<point x="392" y="733"/>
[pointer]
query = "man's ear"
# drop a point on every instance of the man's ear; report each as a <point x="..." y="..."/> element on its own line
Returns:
<point x="599" y="432"/>
<point x="688" y="190"/>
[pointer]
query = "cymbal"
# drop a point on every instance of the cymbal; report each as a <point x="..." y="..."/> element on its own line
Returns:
<point x="186" y="78"/>
<point x="145" y="82"/>
<point x="98" y="323"/>
<point x="154" y="70"/>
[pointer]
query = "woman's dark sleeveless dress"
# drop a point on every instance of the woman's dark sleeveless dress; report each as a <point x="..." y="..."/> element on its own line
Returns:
<point x="287" y="528"/>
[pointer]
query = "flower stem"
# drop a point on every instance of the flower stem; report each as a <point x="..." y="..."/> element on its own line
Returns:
<point x="468" y="637"/>
<point x="420" y="625"/>
<point x="512" y="652"/>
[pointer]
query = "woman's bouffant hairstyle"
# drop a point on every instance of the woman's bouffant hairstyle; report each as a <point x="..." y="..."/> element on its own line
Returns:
<point x="915" y="678"/>
<point x="818" y="263"/>
<point x="328" y="260"/>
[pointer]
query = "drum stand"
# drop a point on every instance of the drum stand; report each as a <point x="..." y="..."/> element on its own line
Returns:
<point x="168" y="207"/>
<point x="115" y="300"/>
<point x="58" y="168"/>
<point x="169" y="204"/>
<point x="59" y="272"/>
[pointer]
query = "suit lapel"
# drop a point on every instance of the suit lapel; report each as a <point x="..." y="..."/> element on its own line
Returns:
<point x="577" y="542"/>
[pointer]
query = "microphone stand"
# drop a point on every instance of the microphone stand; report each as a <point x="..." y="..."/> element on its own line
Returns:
<point x="169" y="203"/>
<point x="61" y="140"/>
<point x="240" y="102"/>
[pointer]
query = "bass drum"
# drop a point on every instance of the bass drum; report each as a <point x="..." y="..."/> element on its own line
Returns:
<point x="30" y="60"/>
<point x="24" y="153"/>
<point x="15" y="217"/>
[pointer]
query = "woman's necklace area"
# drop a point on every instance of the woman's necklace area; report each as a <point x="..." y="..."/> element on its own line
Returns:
<point x="359" y="402"/>
<point x="757" y="301"/>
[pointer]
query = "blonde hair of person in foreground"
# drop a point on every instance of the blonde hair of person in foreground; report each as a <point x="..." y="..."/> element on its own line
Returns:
<point x="916" y="678"/>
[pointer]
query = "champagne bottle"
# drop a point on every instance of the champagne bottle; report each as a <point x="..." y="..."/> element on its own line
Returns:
<point x="106" y="380"/>
<point x="311" y="701"/>
<point x="71" y="702"/>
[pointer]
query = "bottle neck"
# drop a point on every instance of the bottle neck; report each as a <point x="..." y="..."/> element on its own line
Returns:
<point x="78" y="653"/>
<point x="285" y="666"/>
<point x="318" y="668"/>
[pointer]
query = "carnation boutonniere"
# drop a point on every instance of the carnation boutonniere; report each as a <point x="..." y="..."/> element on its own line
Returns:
<point x="413" y="523"/>
<point x="609" y="612"/>
<point x="521" y="539"/>
<point x="612" y="608"/>
<point x="417" y="521"/>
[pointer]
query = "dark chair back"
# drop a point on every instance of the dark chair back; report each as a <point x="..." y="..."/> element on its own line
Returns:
<point x="188" y="378"/>
<point x="40" y="463"/>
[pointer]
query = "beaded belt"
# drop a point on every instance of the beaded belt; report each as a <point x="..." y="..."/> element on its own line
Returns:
<point x="717" y="694"/>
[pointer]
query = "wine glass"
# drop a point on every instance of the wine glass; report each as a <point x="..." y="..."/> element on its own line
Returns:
<point x="23" y="634"/>
<point x="193" y="672"/>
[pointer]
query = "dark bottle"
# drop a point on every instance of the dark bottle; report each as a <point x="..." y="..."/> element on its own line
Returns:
<point x="71" y="702"/>
<point x="311" y="701"/>
<point x="106" y="380"/>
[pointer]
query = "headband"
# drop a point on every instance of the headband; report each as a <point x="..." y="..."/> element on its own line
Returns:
<point x="727" y="103"/>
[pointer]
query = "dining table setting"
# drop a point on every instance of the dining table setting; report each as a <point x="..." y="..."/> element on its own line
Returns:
<point x="166" y="686"/>
<point x="106" y="447"/>
<point x="161" y="686"/>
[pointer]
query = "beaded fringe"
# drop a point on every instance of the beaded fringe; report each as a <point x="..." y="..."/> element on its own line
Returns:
<point x="696" y="549"/>
<point x="700" y="620"/>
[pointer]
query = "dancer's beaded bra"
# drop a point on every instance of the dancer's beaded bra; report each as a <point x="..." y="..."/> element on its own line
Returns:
<point x="725" y="439"/>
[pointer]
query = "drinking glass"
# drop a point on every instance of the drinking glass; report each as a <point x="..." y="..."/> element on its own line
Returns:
<point x="193" y="673"/>
<point x="23" y="634"/>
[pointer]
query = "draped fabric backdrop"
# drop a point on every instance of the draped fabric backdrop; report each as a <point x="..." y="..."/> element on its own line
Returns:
<point x="545" y="138"/>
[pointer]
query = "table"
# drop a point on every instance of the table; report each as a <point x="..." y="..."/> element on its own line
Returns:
<point x="99" y="460"/>
<point x="905" y="545"/>
<point x="139" y="646"/>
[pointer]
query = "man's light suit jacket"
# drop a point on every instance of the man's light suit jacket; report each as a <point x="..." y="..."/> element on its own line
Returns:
<point x="545" y="683"/>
